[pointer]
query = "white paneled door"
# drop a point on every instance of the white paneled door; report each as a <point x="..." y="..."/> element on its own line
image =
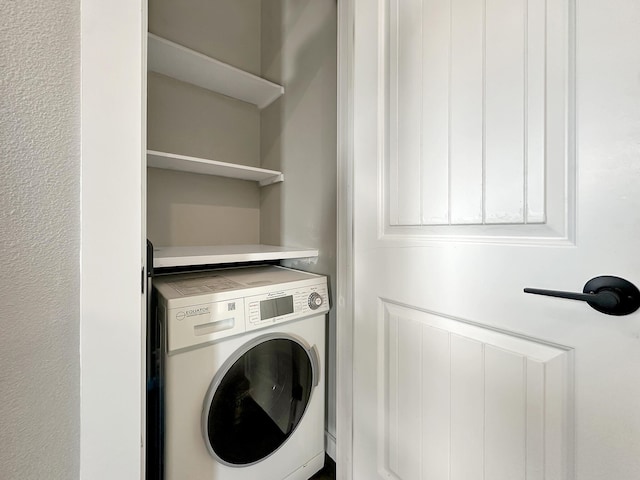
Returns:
<point x="496" y="147"/>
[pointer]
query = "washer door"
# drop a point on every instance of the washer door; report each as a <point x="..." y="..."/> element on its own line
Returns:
<point x="257" y="399"/>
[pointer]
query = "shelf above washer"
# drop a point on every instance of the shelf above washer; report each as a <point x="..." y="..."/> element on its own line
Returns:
<point x="183" y="163"/>
<point x="164" y="257"/>
<point x="189" y="66"/>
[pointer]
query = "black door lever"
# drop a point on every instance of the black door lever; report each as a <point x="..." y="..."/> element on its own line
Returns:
<point x="606" y="294"/>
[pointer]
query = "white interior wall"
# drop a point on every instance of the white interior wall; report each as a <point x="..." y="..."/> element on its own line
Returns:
<point x="228" y="31"/>
<point x="188" y="209"/>
<point x="191" y="209"/>
<point x="49" y="429"/>
<point x="40" y="238"/>
<point x="298" y="136"/>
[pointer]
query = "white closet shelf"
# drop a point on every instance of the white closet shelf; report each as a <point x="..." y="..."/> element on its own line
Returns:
<point x="189" y="256"/>
<point x="183" y="163"/>
<point x="189" y="66"/>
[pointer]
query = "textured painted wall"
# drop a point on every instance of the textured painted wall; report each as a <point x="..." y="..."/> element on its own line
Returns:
<point x="39" y="239"/>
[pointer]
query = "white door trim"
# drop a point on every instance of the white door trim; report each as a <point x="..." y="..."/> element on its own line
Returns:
<point x="344" y="304"/>
<point x="113" y="182"/>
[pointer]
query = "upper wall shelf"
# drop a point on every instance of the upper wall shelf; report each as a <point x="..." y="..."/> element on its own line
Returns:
<point x="189" y="66"/>
<point x="183" y="163"/>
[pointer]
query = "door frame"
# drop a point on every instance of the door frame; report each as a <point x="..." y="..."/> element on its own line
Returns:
<point x="112" y="136"/>
<point x="345" y="275"/>
<point x="107" y="435"/>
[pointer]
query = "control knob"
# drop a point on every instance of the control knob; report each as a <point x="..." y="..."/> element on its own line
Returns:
<point x="315" y="300"/>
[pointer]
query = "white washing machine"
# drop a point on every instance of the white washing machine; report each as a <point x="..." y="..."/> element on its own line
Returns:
<point x="243" y="373"/>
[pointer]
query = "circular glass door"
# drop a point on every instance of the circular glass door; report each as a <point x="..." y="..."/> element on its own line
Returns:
<point x="257" y="399"/>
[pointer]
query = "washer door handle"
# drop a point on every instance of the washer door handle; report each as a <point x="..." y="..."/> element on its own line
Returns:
<point x="312" y="352"/>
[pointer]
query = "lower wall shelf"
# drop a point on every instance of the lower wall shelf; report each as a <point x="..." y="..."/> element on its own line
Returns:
<point x="164" y="257"/>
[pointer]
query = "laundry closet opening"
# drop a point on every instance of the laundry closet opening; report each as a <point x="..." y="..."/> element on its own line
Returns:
<point x="241" y="138"/>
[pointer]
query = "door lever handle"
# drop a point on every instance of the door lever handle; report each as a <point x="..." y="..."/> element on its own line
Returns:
<point x="606" y="294"/>
<point x="604" y="299"/>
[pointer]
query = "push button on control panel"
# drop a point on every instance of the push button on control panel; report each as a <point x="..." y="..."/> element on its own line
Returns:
<point x="315" y="300"/>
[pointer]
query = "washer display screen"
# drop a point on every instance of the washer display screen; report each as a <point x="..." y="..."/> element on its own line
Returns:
<point x="276" y="307"/>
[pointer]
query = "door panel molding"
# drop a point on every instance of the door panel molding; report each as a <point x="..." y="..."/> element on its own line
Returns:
<point x="480" y="130"/>
<point x="468" y="401"/>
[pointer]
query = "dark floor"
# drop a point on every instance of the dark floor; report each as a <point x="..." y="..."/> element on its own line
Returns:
<point x="328" y="472"/>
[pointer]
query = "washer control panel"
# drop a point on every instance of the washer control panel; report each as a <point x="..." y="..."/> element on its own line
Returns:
<point x="285" y="305"/>
<point x="203" y="307"/>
